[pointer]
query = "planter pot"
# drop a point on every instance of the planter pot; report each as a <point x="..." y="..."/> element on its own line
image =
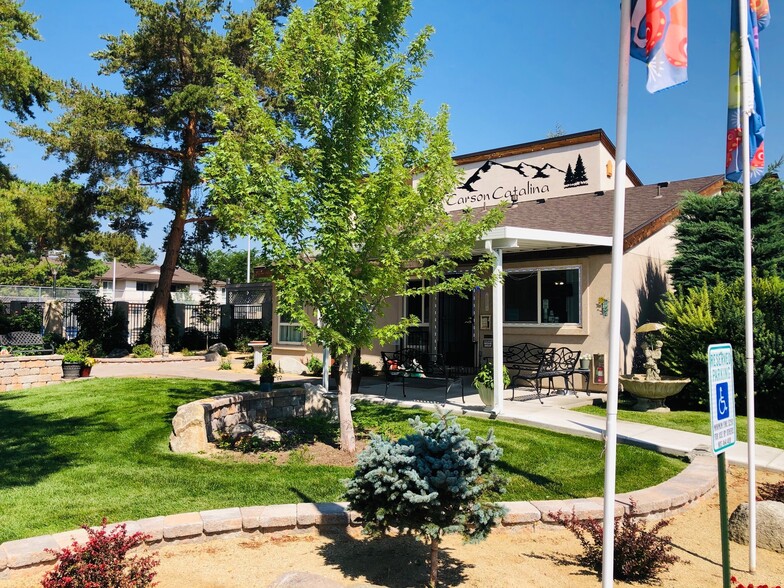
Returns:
<point x="486" y="395"/>
<point x="585" y="364"/>
<point x="71" y="370"/>
<point x="265" y="385"/>
<point x="84" y="371"/>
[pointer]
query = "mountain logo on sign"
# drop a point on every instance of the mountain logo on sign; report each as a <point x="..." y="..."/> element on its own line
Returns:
<point x="572" y="177"/>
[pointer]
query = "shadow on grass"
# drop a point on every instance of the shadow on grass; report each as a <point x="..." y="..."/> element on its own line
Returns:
<point x="396" y="562"/>
<point x="28" y="447"/>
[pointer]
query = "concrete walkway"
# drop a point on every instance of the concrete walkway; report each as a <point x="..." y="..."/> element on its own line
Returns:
<point x="553" y="415"/>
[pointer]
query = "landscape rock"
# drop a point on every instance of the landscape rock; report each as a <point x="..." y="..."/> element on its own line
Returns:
<point x="240" y="430"/>
<point x="212" y="356"/>
<point x="189" y="434"/>
<point x="266" y="433"/>
<point x="219" y="348"/>
<point x="289" y="365"/>
<point x="770" y="525"/>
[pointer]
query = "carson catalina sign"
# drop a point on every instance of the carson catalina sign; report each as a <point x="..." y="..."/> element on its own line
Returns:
<point x="531" y="176"/>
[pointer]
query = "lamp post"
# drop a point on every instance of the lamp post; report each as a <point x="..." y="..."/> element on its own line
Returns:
<point x="54" y="282"/>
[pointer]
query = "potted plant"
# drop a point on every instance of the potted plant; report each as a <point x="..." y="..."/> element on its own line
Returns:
<point x="86" y="366"/>
<point x="267" y="373"/>
<point x="585" y="361"/>
<point x="74" y="355"/>
<point x="483" y="382"/>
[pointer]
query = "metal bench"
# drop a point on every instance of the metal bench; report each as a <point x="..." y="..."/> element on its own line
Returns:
<point x="531" y="364"/>
<point x="398" y="366"/>
<point x="25" y="343"/>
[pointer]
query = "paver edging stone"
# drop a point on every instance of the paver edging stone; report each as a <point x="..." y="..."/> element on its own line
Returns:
<point x="697" y="480"/>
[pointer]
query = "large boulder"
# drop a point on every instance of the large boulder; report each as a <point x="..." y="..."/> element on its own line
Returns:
<point x="291" y="365"/>
<point x="189" y="432"/>
<point x="266" y="433"/>
<point x="770" y="525"/>
<point x="240" y="430"/>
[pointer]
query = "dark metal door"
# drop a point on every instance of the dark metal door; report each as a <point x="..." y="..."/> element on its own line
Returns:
<point x="455" y="329"/>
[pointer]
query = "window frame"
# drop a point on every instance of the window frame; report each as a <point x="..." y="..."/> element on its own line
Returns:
<point x="288" y="323"/>
<point x="424" y="300"/>
<point x="538" y="271"/>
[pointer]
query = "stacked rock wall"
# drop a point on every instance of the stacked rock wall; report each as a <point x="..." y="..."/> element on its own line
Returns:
<point x="30" y="371"/>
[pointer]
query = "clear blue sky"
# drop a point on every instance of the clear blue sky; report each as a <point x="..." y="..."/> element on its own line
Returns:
<point x="510" y="72"/>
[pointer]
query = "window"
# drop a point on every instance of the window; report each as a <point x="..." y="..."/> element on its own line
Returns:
<point x="106" y="285"/>
<point x="542" y="296"/>
<point x="288" y="331"/>
<point x="145" y="286"/>
<point x="418" y="304"/>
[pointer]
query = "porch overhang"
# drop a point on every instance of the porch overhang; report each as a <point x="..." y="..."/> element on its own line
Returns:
<point x="521" y="239"/>
<point x="502" y="240"/>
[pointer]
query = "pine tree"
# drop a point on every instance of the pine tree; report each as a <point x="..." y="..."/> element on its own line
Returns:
<point x="430" y="483"/>
<point x="143" y="147"/>
<point x="580" y="177"/>
<point x="569" y="179"/>
<point x="709" y="235"/>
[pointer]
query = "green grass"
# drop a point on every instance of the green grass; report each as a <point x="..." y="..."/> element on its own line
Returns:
<point x="767" y="432"/>
<point x="74" y="453"/>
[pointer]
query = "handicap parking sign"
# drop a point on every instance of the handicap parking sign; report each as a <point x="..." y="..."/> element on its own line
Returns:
<point x="721" y="386"/>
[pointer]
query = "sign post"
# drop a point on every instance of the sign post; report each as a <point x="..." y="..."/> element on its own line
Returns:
<point x="721" y="392"/>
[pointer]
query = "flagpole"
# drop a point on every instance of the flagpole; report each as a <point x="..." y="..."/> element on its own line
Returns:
<point x="616" y="277"/>
<point x="747" y="92"/>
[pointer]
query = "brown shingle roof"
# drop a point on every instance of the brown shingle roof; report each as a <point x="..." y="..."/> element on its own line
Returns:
<point x="145" y="272"/>
<point x="648" y="209"/>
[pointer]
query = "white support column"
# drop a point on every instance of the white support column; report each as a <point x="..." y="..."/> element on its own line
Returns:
<point x="498" y="332"/>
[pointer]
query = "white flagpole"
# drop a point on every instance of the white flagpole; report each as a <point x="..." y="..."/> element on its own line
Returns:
<point x="616" y="277"/>
<point x="747" y="100"/>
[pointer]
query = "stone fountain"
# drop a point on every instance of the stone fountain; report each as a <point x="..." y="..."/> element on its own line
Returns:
<point x="651" y="388"/>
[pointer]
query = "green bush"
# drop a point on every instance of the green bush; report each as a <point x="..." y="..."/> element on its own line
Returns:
<point x="315" y="366"/>
<point x="187" y="352"/>
<point x="75" y="351"/>
<point x="714" y="313"/>
<point x="143" y="350"/>
<point x="367" y="369"/>
<point x="93" y="314"/>
<point x="225" y="365"/>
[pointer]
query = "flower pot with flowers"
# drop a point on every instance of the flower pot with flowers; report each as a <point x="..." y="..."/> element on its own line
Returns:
<point x="74" y="356"/>
<point x="86" y="367"/>
<point x="585" y="361"/>
<point x="267" y="374"/>
<point x="485" y="384"/>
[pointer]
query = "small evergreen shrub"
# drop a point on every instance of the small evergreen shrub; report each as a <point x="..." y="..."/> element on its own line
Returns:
<point x="429" y="483"/>
<point x="367" y="369"/>
<point x="241" y="344"/>
<point x="143" y="350"/>
<point x="247" y="363"/>
<point x="315" y="366"/>
<point x="187" y="352"/>
<point x="771" y="491"/>
<point x="102" y="562"/>
<point x="225" y="364"/>
<point x="640" y="555"/>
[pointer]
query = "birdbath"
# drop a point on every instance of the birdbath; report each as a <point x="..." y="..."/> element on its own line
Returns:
<point x="258" y="353"/>
<point x="651" y="388"/>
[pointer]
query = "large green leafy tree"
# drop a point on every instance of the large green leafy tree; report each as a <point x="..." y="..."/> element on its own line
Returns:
<point x="146" y="142"/>
<point x="38" y="218"/>
<point x="229" y="266"/>
<point x="328" y="191"/>
<point x="22" y="85"/>
<point x="710" y="234"/>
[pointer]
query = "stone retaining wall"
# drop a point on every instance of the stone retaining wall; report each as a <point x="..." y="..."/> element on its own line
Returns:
<point x="199" y="423"/>
<point x="665" y="500"/>
<point x="30" y="371"/>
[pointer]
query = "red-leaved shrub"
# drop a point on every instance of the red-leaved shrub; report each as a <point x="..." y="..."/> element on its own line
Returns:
<point x="102" y="562"/>
<point x="640" y="554"/>
<point x="733" y="579"/>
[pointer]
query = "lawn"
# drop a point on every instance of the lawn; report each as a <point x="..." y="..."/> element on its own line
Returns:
<point x="74" y="453"/>
<point x="768" y="431"/>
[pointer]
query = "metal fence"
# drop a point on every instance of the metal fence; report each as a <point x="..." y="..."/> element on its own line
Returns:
<point x="39" y="293"/>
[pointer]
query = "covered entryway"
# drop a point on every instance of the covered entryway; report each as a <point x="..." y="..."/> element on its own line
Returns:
<point x="455" y="338"/>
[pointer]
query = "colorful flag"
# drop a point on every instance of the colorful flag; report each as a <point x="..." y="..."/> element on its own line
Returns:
<point x="759" y="17"/>
<point x="659" y="37"/>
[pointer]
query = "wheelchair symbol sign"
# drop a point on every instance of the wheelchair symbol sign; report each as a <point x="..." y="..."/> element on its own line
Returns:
<point x="722" y="401"/>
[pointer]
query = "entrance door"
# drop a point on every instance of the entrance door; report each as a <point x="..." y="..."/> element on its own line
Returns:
<point x="455" y="329"/>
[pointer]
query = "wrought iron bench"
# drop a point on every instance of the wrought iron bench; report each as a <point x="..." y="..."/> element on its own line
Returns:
<point x="25" y="343"/>
<point x="398" y="366"/>
<point x="532" y="364"/>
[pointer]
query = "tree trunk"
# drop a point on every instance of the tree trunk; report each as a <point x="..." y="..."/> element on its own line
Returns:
<point x="434" y="543"/>
<point x="188" y="175"/>
<point x="347" y="439"/>
<point x="163" y="291"/>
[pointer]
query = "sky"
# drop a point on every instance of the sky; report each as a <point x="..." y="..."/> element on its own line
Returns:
<point x="511" y="72"/>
